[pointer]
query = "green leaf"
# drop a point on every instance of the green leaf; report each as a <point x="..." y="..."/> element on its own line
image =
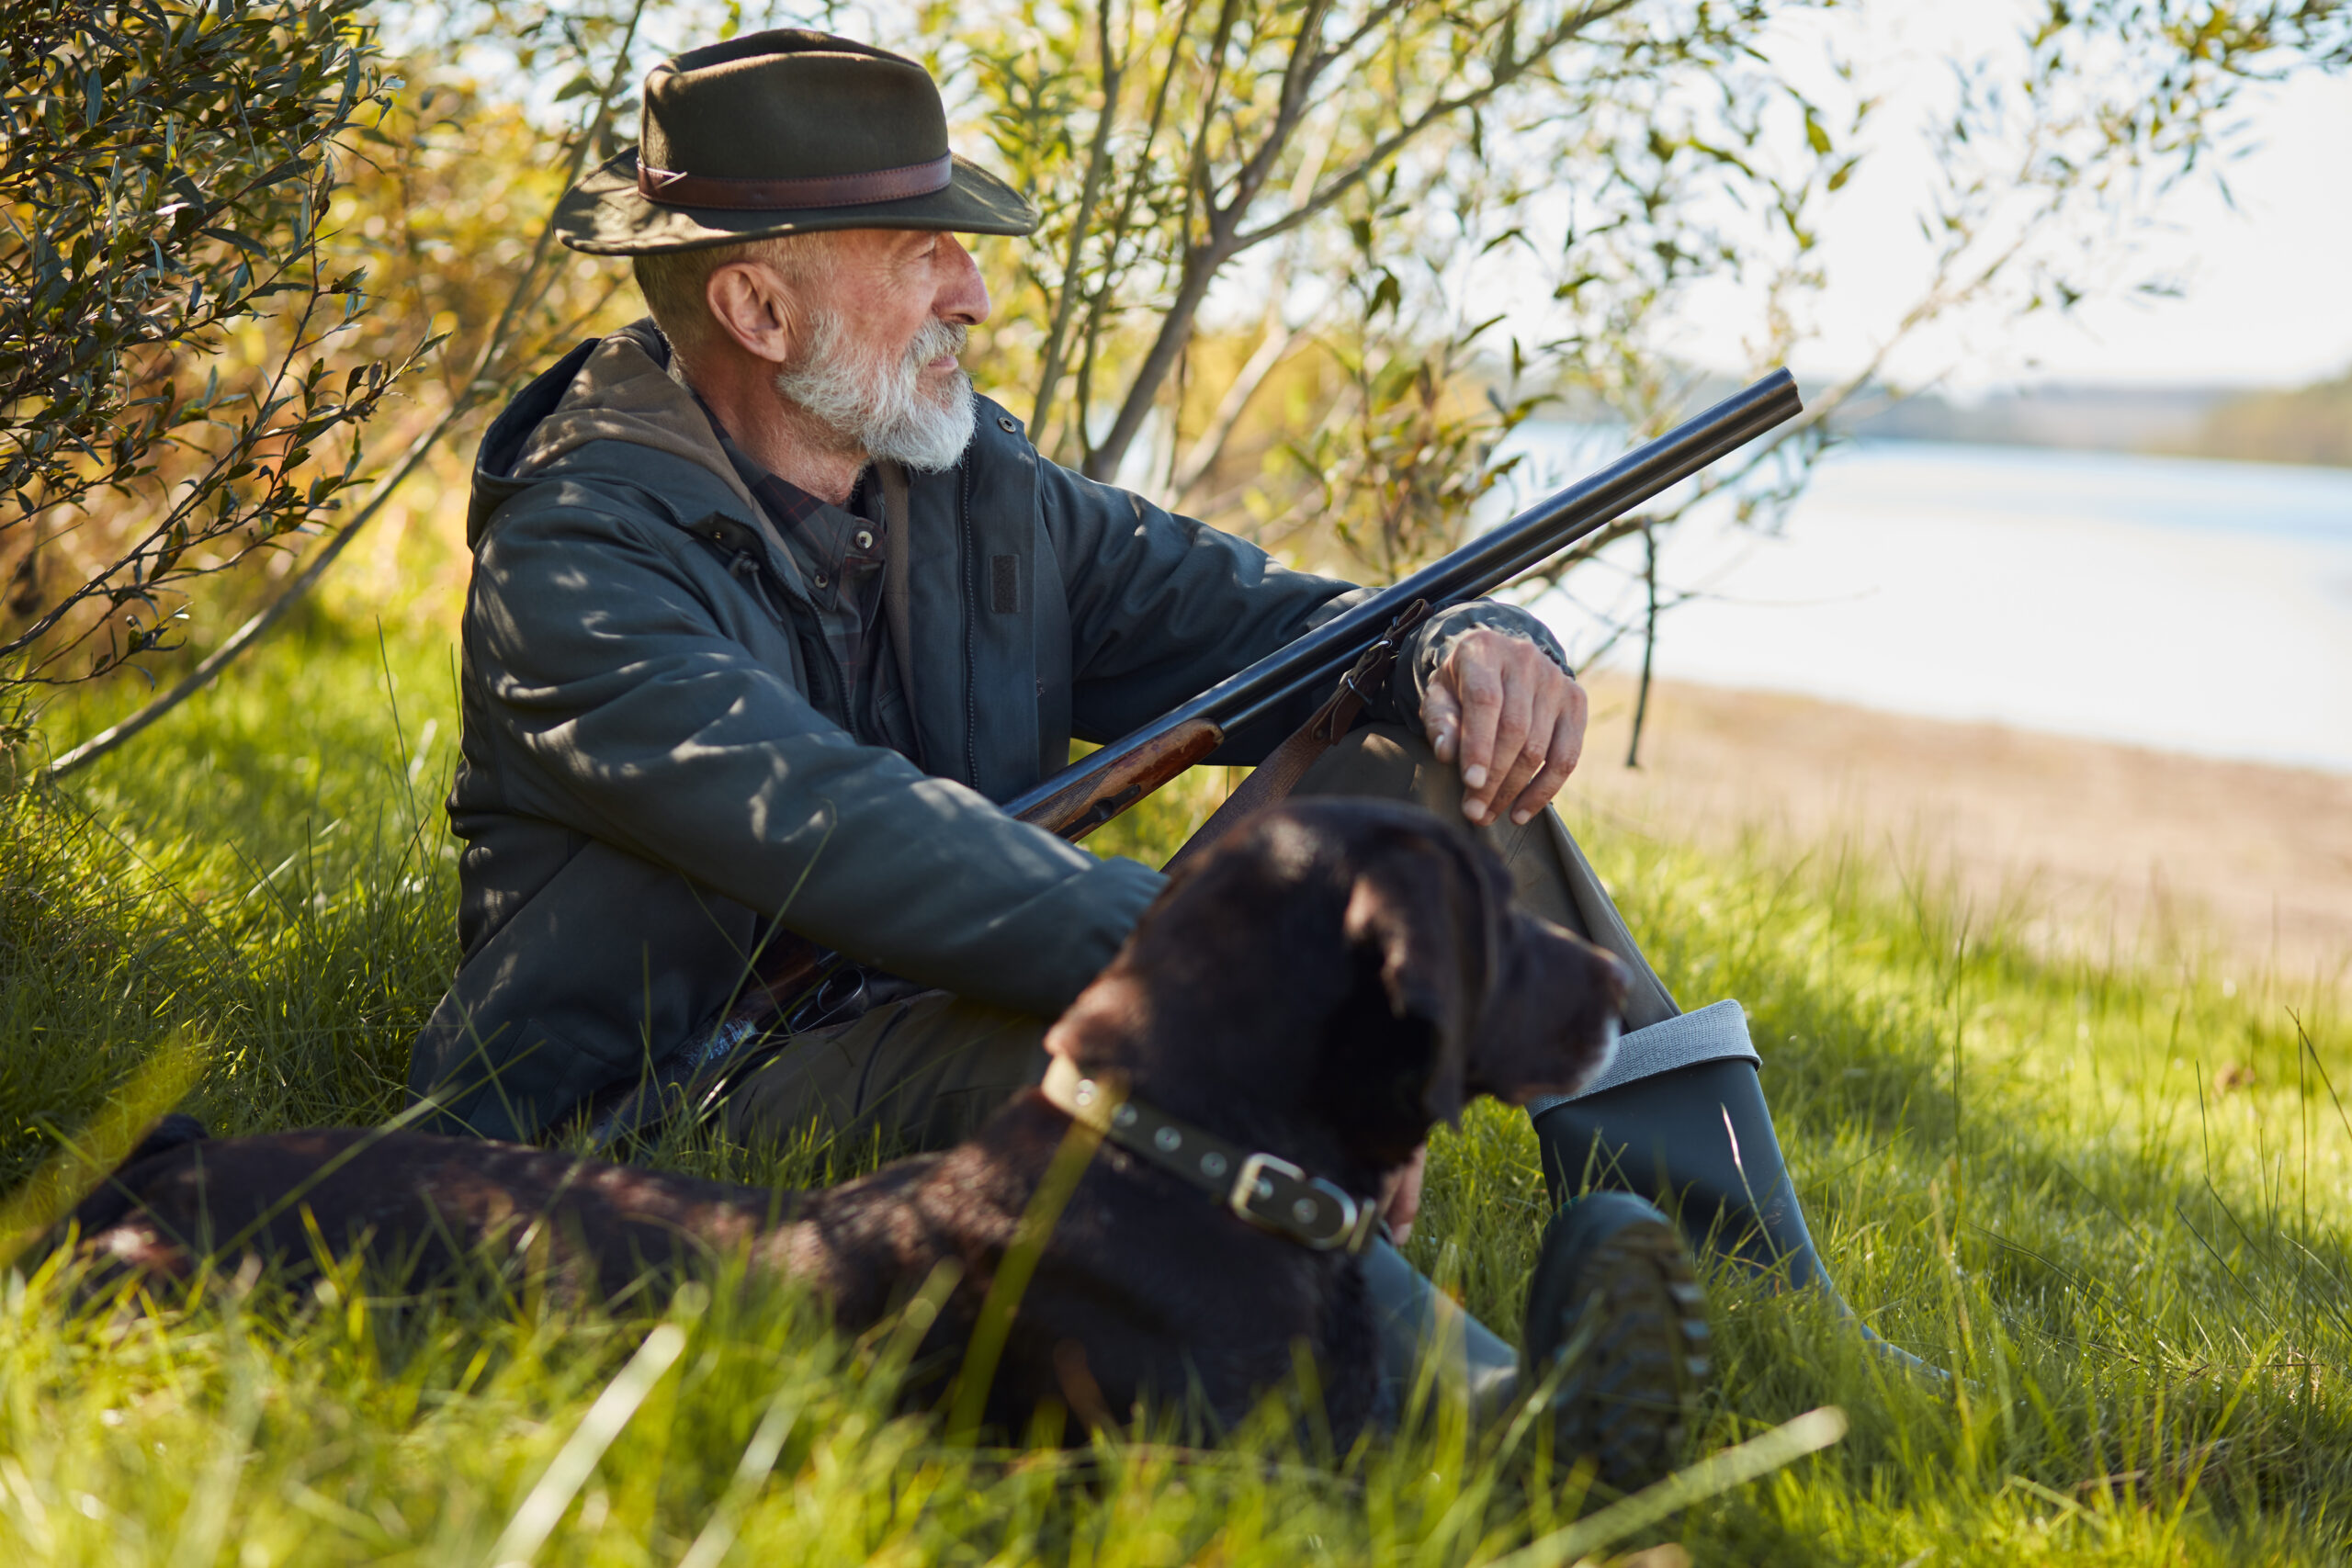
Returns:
<point x="289" y="167"/>
<point x="245" y="243"/>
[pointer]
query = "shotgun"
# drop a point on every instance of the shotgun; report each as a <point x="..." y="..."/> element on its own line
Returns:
<point x="1099" y="786"/>
<point x="808" y="986"/>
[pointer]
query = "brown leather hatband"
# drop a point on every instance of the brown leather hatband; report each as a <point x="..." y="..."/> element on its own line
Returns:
<point x="673" y="188"/>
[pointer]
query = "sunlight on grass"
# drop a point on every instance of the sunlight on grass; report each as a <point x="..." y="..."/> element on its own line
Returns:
<point x="2111" y="1195"/>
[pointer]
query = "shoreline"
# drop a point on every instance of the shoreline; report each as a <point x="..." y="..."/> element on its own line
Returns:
<point x="2147" y="602"/>
<point x="2113" y="846"/>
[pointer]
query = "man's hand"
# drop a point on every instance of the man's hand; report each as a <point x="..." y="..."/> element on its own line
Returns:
<point x="1514" y="719"/>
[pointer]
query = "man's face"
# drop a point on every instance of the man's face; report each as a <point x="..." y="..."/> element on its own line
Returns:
<point x="876" y="359"/>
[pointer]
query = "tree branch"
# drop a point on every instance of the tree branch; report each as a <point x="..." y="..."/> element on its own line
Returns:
<point x="1098" y="160"/>
<point x="529" y="289"/>
<point x="1203" y="261"/>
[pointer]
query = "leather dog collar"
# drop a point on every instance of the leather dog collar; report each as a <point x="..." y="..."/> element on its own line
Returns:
<point x="1264" y="1190"/>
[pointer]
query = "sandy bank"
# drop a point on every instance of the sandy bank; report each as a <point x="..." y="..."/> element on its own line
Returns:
<point x="2146" y="849"/>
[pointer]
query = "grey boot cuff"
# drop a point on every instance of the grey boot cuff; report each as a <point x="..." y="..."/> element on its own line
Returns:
<point x="1711" y="1034"/>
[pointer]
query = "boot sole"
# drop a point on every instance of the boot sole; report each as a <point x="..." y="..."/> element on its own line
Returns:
<point x="1631" y="1330"/>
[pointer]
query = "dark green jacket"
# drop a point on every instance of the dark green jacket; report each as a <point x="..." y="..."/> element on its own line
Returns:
<point x="655" y="760"/>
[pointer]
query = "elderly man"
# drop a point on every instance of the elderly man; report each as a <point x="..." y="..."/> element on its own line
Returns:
<point x="769" y="610"/>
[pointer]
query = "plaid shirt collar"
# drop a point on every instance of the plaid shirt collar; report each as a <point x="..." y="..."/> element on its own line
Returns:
<point x="788" y="505"/>
<point x="786" y="502"/>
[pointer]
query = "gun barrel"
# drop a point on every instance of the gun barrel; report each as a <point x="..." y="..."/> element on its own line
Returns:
<point x="1483" y="565"/>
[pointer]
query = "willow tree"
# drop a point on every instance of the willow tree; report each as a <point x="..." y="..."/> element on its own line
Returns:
<point x="1318" y="206"/>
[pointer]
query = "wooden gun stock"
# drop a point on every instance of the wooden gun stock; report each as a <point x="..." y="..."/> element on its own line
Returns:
<point x="1091" y="800"/>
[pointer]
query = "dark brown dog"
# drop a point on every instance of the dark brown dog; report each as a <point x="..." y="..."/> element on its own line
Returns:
<point x="1328" y="984"/>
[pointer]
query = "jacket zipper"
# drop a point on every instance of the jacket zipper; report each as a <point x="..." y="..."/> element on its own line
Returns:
<point x="971" y="621"/>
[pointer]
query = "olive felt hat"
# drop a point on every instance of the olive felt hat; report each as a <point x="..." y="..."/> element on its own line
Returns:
<point x="785" y="132"/>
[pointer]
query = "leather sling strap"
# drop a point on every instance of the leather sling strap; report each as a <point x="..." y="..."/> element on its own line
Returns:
<point x="1261" y="1189"/>
<point x="1273" y="780"/>
<point x="896" y="567"/>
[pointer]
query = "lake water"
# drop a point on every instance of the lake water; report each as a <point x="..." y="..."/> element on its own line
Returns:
<point x="2173" y="602"/>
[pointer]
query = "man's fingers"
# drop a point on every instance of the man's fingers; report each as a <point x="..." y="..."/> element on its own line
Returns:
<point x="1567" y="746"/>
<point x="1479" y="688"/>
<point x="1442" y="719"/>
<point x="1512" y="722"/>
<point x="1528" y="767"/>
<point x="1506" y="761"/>
<point x="1532" y="754"/>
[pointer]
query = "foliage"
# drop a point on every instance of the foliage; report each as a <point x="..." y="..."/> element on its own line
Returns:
<point x="1320" y="208"/>
<point x="496" y="303"/>
<point x="1219" y="130"/>
<point x="2310" y="425"/>
<point x="1306" y="208"/>
<point x="2017" y="1165"/>
<point x="169" y="402"/>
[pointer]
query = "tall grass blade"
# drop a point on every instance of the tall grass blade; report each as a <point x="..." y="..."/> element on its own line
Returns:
<point x="82" y="1161"/>
<point x="995" y="1322"/>
<point x="1783" y="1445"/>
<point x="576" y="1461"/>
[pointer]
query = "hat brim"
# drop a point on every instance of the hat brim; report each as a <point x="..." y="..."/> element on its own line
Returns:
<point x="606" y="215"/>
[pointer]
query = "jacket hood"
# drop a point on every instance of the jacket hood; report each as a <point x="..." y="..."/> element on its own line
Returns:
<point x="611" y="389"/>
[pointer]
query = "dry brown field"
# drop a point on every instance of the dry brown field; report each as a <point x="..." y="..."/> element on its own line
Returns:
<point x="2098" y="845"/>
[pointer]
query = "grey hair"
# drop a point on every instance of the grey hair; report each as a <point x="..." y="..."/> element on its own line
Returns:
<point x="676" y="283"/>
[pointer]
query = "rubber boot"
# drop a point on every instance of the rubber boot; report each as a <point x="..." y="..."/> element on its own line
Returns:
<point x="1616" y="1336"/>
<point x="1698" y="1141"/>
<point x="1617" y="1329"/>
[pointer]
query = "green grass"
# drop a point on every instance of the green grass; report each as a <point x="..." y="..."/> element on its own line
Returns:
<point x="2020" y="1166"/>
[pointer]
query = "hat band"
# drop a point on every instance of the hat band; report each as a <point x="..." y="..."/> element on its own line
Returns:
<point x="676" y="188"/>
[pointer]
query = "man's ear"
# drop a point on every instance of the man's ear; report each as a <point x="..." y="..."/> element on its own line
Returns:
<point x="1414" y="920"/>
<point x="752" y="307"/>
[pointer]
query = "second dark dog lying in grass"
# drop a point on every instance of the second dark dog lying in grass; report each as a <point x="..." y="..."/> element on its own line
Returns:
<point x="1272" y="1044"/>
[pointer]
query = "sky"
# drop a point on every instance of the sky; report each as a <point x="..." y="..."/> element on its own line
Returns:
<point x="2269" y="281"/>
<point x="2266" y="272"/>
<point x="2041" y="589"/>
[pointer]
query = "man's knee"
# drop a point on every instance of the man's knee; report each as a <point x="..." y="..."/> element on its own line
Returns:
<point x="916" y="1075"/>
<point x="1391" y="762"/>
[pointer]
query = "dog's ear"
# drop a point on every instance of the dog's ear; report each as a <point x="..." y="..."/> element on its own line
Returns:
<point x="1418" y="929"/>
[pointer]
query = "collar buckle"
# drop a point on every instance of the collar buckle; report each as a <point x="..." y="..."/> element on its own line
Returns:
<point x="1266" y="1191"/>
<point x="1275" y="1195"/>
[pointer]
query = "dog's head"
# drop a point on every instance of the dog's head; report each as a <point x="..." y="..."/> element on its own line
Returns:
<point x="1342" y="974"/>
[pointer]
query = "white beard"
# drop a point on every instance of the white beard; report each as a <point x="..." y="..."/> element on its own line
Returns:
<point x="882" y="407"/>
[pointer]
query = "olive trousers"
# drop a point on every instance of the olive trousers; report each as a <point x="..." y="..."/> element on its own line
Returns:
<point x="925" y="1071"/>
